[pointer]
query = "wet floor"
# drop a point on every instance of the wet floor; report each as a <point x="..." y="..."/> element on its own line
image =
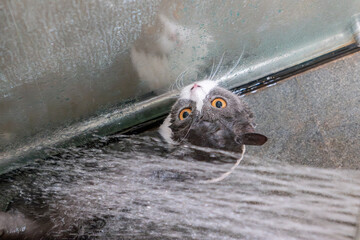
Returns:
<point x="140" y="188"/>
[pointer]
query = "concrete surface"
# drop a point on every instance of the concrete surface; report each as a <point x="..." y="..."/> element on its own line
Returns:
<point x="312" y="118"/>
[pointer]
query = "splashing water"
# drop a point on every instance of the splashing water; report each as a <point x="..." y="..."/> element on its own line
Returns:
<point x="140" y="188"/>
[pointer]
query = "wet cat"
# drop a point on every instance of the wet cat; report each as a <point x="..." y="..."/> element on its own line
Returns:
<point x="207" y="115"/>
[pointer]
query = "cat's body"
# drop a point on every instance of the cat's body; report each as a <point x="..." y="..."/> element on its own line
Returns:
<point x="210" y="116"/>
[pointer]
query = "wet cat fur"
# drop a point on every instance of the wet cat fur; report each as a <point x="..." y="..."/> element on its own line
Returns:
<point x="226" y="128"/>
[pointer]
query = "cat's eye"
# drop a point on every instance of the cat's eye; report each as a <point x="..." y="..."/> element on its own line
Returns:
<point x="184" y="113"/>
<point x="218" y="103"/>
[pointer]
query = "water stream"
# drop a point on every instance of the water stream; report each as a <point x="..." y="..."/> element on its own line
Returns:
<point x="137" y="187"/>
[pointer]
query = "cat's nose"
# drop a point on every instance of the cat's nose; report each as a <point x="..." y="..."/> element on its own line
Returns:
<point x="195" y="86"/>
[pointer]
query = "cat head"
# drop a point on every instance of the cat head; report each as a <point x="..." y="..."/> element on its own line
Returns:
<point x="210" y="116"/>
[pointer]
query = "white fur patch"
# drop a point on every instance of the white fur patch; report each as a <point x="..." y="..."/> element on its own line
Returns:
<point x="165" y="130"/>
<point x="198" y="94"/>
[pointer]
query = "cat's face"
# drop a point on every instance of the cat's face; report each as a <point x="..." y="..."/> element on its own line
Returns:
<point x="209" y="116"/>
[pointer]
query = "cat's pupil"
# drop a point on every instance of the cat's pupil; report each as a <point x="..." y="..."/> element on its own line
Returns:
<point x="185" y="114"/>
<point x="218" y="104"/>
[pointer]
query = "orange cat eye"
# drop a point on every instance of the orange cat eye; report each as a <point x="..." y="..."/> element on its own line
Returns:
<point x="184" y="113"/>
<point x="218" y="103"/>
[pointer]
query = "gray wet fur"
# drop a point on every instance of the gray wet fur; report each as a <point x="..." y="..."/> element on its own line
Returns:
<point x="226" y="128"/>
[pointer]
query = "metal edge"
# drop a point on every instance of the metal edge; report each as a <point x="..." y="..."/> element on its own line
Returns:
<point x="80" y="133"/>
<point x="299" y="68"/>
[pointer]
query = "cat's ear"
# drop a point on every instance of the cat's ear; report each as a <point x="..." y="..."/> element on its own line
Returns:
<point x="254" y="139"/>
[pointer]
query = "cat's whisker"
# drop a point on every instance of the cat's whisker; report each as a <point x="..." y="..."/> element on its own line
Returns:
<point x="236" y="64"/>
<point x="183" y="74"/>
<point x="224" y="175"/>
<point x="218" y="66"/>
<point x="182" y="80"/>
<point x="187" y="133"/>
<point x="178" y="79"/>
<point x="212" y="69"/>
<point x="182" y="77"/>
<point x="172" y="86"/>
